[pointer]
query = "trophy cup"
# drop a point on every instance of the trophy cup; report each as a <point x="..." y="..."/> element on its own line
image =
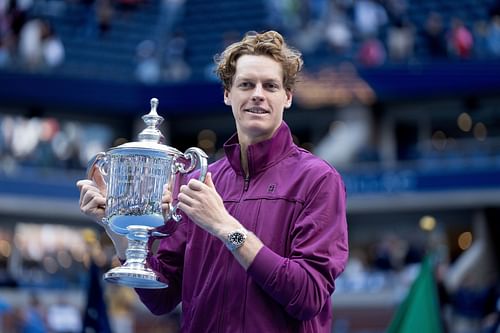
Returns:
<point x="133" y="176"/>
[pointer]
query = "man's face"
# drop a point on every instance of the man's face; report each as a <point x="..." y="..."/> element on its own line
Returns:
<point x="257" y="98"/>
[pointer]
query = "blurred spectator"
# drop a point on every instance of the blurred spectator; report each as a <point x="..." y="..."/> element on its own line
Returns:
<point x="4" y="308"/>
<point x="338" y="31"/>
<point x="175" y="67"/>
<point x="284" y="15"/>
<point x="400" y="41"/>
<point x="17" y="16"/>
<point x="369" y="17"/>
<point x="434" y="36"/>
<point x="480" y="35"/>
<point x="460" y="41"/>
<point x="171" y="12"/>
<point x="148" y="67"/>
<point x="39" y="46"/>
<point x="64" y="317"/>
<point x="339" y="37"/>
<point x="121" y="308"/>
<point x="397" y="9"/>
<point x="30" y="44"/>
<point x="371" y="53"/>
<point x="4" y="53"/>
<point x="228" y="38"/>
<point x="33" y="317"/>
<point x="493" y="36"/>
<point x="390" y="252"/>
<point x="104" y="14"/>
<point x="52" y="47"/>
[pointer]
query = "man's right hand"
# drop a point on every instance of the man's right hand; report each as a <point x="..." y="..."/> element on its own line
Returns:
<point x="92" y="200"/>
<point x="93" y="204"/>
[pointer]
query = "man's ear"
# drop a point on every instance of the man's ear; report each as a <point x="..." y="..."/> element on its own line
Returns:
<point x="289" y="98"/>
<point x="226" y="98"/>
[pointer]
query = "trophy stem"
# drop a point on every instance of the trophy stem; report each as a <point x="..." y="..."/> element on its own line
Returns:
<point x="134" y="273"/>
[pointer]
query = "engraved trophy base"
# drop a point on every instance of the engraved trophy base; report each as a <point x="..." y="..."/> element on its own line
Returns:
<point x="134" y="273"/>
<point x="134" y="277"/>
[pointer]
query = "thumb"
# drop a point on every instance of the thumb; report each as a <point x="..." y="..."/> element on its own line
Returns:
<point x="98" y="179"/>
<point x="208" y="180"/>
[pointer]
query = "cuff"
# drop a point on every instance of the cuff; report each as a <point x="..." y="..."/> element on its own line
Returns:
<point x="264" y="265"/>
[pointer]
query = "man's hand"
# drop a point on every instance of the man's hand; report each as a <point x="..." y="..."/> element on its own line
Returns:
<point x="93" y="204"/>
<point x="166" y="201"/>
<point x="92" y="200"/>
<point x="204" y="206"/>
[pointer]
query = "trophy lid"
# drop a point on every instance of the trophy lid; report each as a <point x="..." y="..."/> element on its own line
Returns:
<point x="151" y="133"/>
<point x="151" y="137"/>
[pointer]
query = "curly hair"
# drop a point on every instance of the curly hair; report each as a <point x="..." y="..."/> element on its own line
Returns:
<point x="269" y="43"/>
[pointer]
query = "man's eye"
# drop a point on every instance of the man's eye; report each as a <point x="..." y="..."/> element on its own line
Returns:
<point x="245" y="84"/>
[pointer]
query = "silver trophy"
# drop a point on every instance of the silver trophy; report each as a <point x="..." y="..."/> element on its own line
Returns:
<point x="133" y="176"/>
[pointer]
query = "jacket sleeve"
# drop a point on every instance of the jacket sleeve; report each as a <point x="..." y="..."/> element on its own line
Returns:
<point x="168" y="264"/>
<point x="304" y="281"/>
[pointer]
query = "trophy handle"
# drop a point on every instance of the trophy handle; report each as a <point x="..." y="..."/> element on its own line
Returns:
<point x="196" y="156"/>
<point x="97" y="171"/>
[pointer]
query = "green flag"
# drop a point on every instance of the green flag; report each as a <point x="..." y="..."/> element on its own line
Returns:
<point x="420" y="311"/>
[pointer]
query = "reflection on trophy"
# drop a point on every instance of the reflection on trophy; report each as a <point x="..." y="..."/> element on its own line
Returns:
<point x="133" y="176"/>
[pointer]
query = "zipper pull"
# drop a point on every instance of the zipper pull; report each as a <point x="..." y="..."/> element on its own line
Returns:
<point x="247" y="182"/>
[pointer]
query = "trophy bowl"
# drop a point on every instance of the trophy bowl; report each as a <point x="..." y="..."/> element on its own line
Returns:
<point x="133" y="177"/>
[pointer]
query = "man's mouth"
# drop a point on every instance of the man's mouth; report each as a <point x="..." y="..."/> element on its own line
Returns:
<point x="256" y="110"/>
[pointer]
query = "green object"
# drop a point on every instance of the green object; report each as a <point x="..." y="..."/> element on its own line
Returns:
<point x="420" y="311"/>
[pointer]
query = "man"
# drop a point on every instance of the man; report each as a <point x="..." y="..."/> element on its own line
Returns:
<point x="265" y="236"/>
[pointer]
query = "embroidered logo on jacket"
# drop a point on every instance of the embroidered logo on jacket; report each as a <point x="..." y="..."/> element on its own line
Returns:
<point x="271" y="188"/>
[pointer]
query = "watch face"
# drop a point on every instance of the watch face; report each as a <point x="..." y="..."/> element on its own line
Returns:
<point x="236" y="238"/>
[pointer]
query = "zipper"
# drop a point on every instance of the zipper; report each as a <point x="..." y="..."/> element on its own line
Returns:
<point x="246" y="183"/>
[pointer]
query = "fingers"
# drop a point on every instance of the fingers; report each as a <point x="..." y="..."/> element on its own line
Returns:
<point x="87" y="186"/>
<point x="187" y="200"/>
<point x="83" y="182"/>
<point x="208" y="180"/>
<point x="195" y="185"/>
<point x="166" y="200"/>
<point x="92" y="200"/>
<point x="166" y="197"/>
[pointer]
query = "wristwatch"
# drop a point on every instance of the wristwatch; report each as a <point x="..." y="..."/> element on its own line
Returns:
<point x="236" y="238"/>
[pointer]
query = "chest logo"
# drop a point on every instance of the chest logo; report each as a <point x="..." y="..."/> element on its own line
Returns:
<point x="271" y="188"/>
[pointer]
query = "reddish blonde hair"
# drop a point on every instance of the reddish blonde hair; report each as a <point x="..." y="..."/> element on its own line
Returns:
<point x="269" y="43"/>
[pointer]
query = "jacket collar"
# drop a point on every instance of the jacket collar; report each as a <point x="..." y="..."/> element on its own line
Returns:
<point x="261" y="155"/>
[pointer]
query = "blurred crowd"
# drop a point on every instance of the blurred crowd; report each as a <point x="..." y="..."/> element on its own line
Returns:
<point x="27" y="42"/>
<point x="49" y="143"/>
<point x="375" y="32"/>
<point x="365" y="32"/>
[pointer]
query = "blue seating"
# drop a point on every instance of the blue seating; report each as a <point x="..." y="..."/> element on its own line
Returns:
<point x="205" y="25"/>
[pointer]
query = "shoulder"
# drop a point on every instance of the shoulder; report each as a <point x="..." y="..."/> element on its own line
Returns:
<point x="306" y="173"/>
<point x="310" y="164"/>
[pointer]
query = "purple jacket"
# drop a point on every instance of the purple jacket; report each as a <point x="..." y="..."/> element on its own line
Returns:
<point x="295" y="203"/>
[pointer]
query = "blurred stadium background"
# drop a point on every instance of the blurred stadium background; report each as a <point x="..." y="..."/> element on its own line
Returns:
<point x="401" y="96"/>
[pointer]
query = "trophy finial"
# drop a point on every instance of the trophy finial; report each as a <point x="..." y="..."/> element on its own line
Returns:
<point x="153" y="121"/>
<point x="154" y="105"/>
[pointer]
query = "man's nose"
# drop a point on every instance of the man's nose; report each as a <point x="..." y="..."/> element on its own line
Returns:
<point x="258" y="93"/>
